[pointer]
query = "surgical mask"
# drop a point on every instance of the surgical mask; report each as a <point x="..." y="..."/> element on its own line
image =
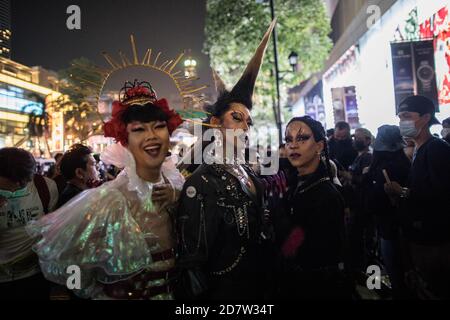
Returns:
<point x="445" y="132"/>
<point x="14" y="194"/>
<point x="408" y="129"/>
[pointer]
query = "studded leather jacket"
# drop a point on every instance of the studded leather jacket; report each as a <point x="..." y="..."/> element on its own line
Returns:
<point x="224" y="235"/>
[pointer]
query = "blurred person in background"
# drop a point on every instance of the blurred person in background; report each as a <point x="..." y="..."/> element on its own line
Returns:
<point x="388" y="156"/>
<point x="341" y="145"/>
<point x="24" y="196"/>
<point x="426" y="223"/>
<point x="445" y="133"/>
<point x="79" y="169"/>
<point x="361" y="231"/>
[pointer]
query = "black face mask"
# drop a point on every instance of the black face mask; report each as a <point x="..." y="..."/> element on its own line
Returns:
<point x="359" y="145"/>
<point x="344" y="143"/>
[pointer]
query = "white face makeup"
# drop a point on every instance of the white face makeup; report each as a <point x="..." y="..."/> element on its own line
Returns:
<point x="148" y="142"/>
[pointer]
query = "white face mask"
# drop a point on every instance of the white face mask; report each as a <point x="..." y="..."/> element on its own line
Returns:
<point x="445" y="132"/>
<point x="408" y="129"/>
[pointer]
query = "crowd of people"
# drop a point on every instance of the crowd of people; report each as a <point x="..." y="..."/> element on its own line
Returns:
<point x="310" y="231"/>
<point x="339" y="203"/>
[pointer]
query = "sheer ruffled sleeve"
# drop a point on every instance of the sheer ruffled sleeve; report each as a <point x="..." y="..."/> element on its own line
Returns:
<point x="94" y="231"/>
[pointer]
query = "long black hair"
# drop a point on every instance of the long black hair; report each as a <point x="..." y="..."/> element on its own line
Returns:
<point x="319" y="134"/>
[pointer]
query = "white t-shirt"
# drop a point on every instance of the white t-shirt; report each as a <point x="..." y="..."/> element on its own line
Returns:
<point x="15" y="244"/>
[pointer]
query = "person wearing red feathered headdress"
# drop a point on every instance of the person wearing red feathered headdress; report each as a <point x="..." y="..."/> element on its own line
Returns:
<point x="120" y="234"/>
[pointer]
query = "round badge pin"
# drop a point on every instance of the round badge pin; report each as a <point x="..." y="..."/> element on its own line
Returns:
<point x="191" y="192"/>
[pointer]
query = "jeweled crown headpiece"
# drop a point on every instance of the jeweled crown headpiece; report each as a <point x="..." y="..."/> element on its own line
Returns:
<point x="187" y="90"/>
<point x="137" y="93"/>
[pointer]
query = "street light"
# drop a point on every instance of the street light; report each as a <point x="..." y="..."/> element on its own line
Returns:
<point x="190" y="67"/>
<point x="293" y="60"/>
<point x="190" y="63"/>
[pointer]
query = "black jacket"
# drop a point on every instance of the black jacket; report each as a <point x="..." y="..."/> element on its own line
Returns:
<point x="222" y="252"/>
<point x="378" y="204"/>
<point x="316" y="208"/>
<point x="426" y="215"/>
<point x="69" y="192"/>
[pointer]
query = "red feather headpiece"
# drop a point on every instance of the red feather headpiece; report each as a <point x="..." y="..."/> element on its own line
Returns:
<point x="137" y="93"/>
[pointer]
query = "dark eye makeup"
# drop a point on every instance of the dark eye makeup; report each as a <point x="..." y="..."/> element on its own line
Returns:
<point x="303" y="137"/>
<point x="236" y="116"/>
<point x="299" y="138"/>
<point x="239" y="118"/>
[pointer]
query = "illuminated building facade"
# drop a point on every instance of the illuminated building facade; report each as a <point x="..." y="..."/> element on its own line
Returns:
<point x="5" y="28"/>
<point x="24" y="93"/>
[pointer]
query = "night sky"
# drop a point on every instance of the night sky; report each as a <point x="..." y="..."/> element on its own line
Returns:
<point x="40" y="36"/>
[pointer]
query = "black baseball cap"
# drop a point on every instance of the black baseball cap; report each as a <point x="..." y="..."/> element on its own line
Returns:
<point x="420" y="104"/>
<point x="446" y="122"/>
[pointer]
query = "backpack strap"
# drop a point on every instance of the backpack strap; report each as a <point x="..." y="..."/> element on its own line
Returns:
<point x="43" y="191"/>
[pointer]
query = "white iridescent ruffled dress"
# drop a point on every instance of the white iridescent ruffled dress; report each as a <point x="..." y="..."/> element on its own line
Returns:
<point x="121" y="241"/>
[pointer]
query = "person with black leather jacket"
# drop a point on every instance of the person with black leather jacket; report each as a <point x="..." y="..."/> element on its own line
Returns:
<point x="223" y="226"/>
<point x="310" y="230"/>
